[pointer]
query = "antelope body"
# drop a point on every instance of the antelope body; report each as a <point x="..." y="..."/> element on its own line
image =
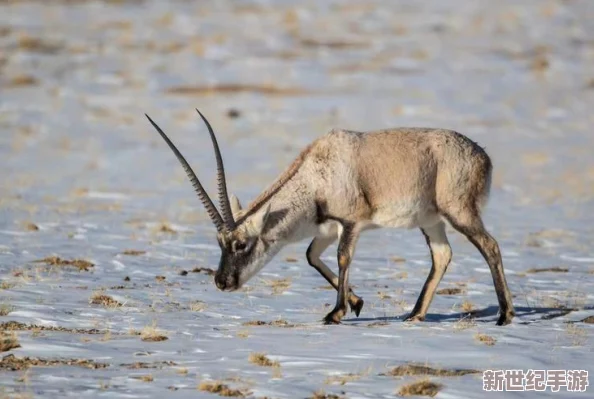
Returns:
<point x="346" y="182"/>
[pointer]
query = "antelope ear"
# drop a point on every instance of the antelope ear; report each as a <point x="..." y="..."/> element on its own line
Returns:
<point x="235" y="204"/>
<point x="259" y="220"/>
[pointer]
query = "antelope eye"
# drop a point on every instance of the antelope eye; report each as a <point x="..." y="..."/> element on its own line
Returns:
<point x="239" y="246"/>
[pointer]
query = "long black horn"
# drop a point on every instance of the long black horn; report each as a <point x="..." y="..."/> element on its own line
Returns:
<point x="221" y="182"/>
<point x="206" y="201"/>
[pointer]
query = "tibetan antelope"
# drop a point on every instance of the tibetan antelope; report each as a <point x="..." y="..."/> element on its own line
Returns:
<point x="346" y="182"/>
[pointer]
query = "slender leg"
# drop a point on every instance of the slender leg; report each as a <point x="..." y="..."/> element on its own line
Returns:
<point x="315" y="249"/>
<point x="471" y="225"/>
<point x="441" y="254"/>
<point x="346" y="250"/>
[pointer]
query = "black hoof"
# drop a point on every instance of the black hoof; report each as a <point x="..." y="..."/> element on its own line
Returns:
<point x="334" y="317"/>
<point x="414" y="318"/>
<point x="357" y="306"/>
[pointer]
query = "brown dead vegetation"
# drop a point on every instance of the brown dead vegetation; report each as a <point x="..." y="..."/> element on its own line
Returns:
<point x="332" y="44"/>
<point x="80" y="264"/>
<point x="144" y="365"/>
<point x="30" y="226"/>
<point x="17" y="326"/>
<point x="152" y="334"/>
<point x="450" y="291"/>
<point x="485" y="339"/>
<point x="13" y="363"/>
<point x="22" y="80"/>
<point x="5" y="309"/>
<point x="418" y="369"/>
<point x="323" y="395"/>
<point x="99" y="298"/>
<point x="204" y="270"/>
<point x="133" y="252"/>
<point x="275" y="323"/>
<point x="555" y="269"/>
<point x="420" y="388"/>
<point x="237" y="88"/>
<point x="8" y="341"/>
<point x="278" y="286"/>
<point x="588" y="320"/>
<point x="261" y="359"/>
<point x="222" y="389"/>
<point x="144" y="378"/>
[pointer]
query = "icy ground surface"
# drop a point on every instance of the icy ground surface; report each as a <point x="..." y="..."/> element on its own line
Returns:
<point x="84" y="176"/>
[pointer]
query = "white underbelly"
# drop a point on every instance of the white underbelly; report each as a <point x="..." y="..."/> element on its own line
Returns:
<point x="405" y="214"/>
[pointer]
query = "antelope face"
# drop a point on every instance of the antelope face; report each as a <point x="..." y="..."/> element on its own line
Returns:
<point x="244" y="252"/>
<point x="244" y="249"/>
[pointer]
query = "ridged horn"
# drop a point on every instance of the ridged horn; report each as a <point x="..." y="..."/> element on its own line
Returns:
<point x="202" y="194"/>
<point x="224" y="203"/>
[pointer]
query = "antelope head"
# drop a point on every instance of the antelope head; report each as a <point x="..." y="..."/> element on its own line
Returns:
<point x="244" y="247"/>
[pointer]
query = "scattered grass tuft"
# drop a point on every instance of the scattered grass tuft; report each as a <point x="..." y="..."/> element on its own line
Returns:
<point x="197" y="306"/>
<point x="29" y="226"/>
<point x="485" y="339"/>
<point x="577" y="334"/>
<point x="278" y="286"/>
<point x="22" y="80"/>
<point x="323" y="395"/>
<point x="275" y="323"/>
<point x="5" y="309"/>
<point x="555" y="269"/>
<point x="221" y="389"/>
<point x="588" y="320"/>
<point x="152" y="334"/>
<point x="418" y="369"/>
<point x="82" y="265"/>
<point x="204" y="270"/>
<point x="99" y="298"/>
<point x="262" y="360"/>
<point x="9" y="341"/>
<point x="133" y="252"/>
<point x="450" y="291"/>
<point x="420" y="388"/>
<point x="467" y="306"/>
<point x="13" y="363"/>
<point x="145" y="378"/>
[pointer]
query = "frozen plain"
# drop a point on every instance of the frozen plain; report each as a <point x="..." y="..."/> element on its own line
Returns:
<point x="83" y="176"/>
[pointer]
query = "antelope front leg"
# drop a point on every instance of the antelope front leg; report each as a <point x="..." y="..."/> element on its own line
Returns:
<point x="346" y="249"/>
<point x="315" y="249"/>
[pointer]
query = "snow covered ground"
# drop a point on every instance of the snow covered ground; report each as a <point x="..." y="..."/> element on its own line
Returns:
<point x="84" y="176"/>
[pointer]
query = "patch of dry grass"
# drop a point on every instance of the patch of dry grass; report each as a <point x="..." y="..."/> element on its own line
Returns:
<point x="17" y="326"/>
<point x="464" y="323"/>
<point x="397" y="259"/>
<point x="5" y="309"/>
<point x="14" y="363"/>
<point x="152" y="334"/>
<point x="278" y="286"/>
<point x="588" y="320"/>
<point x="30" y="226"/>
<point x="222" y="389"/>
<point x="99" y="298"/>
<point x="342" y="379"/>
<point x="204" y="270"/>
<point x="144" y="378"/>
<point x="80" y="264"/>
<point x="577" y="334"/>
<point x="133" y="252"/>
<point x="197" y="306"/>
<point x="275" y="323"/>
<point x="485" y="339"/>
<point x="419" y="369"/>
<point x="450" y="291"/>
<point x="22" y="80"/>
<point x="8" y="341"/>
<point x="323" y="395"/>
<point x="261" y="359"/>
<point x="270" y="90"/>
<point x="555" y="269"/>
<point x="420" y="388"/>
<point x="467" y="306"/>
